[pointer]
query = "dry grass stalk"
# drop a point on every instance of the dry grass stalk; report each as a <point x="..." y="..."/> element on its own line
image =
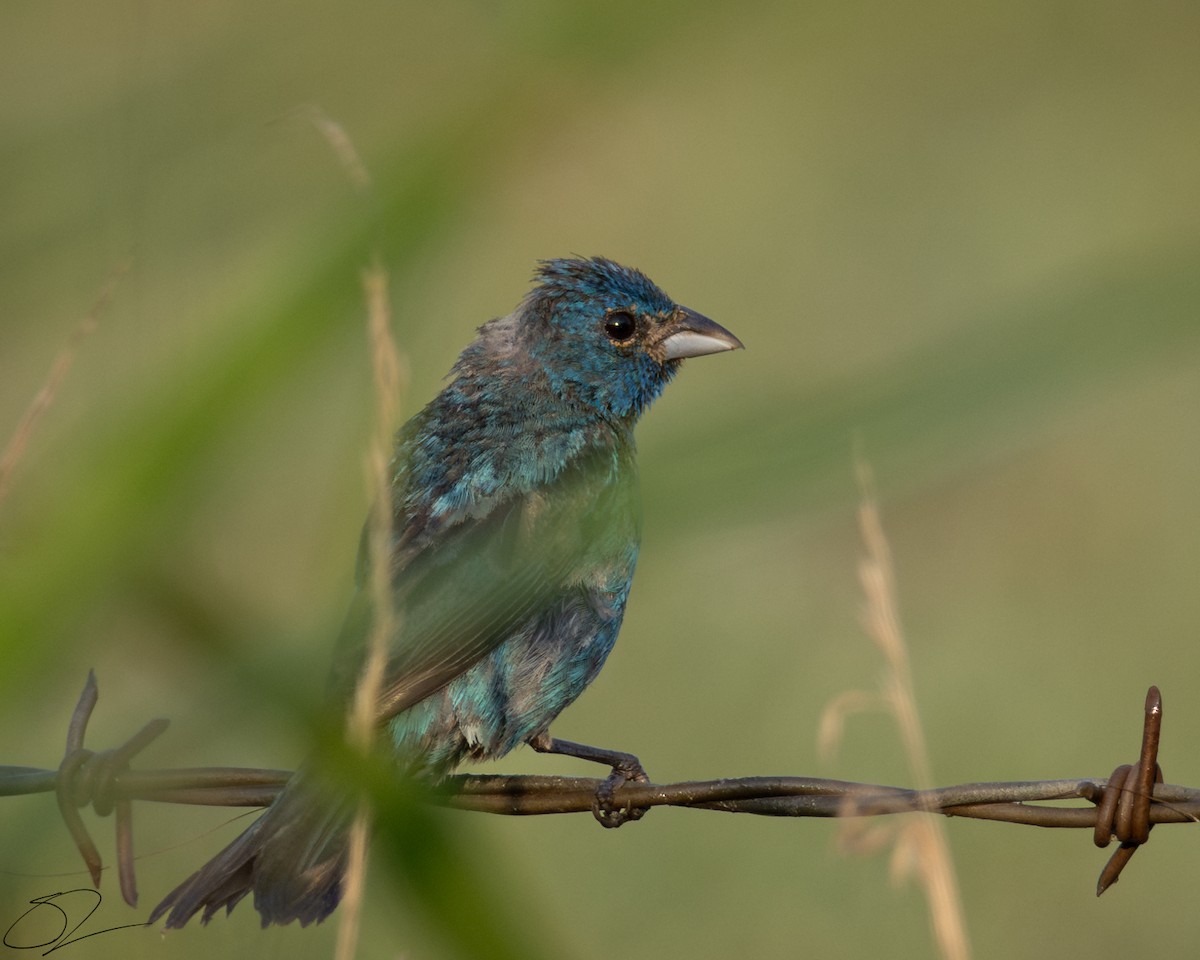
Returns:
<point x="387" y="369"/>
<point x="15" y="449"/>
<point x="361" y="724"/>
<point x="341" y="144"/>
<point x="919" y="846"/>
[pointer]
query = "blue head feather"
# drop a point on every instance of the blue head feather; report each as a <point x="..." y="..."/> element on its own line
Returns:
<point x="575" y="299"/>
<point x="556" y="342"/>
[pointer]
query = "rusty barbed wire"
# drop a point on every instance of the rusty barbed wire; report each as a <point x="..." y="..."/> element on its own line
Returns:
<point x="1123" y="810"/>
<point x="1124" y="806"/>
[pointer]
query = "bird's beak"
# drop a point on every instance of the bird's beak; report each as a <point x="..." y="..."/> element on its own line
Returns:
<point x="693" y="335"/>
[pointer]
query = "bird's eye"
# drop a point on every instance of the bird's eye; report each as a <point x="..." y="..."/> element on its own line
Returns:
<point x="619" y="327"/>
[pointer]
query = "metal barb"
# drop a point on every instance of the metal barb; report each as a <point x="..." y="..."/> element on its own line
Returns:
<point x="1123" y="812"/>
<point x="85" y="778"/>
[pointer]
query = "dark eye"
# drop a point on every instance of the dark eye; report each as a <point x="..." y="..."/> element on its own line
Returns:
<point x="619" y="327"/>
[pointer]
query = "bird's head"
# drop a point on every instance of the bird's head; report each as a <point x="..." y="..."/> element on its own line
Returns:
<point x="605" y="336"/>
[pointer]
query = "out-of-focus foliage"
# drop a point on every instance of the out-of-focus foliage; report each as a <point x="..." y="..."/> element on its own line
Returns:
<point x="962" y="237"/>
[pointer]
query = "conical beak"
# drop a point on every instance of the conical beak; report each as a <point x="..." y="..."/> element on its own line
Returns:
<point x="694" y="335"/>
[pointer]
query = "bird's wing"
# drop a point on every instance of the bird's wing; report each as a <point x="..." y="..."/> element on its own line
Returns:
<point x="468" y="589"/>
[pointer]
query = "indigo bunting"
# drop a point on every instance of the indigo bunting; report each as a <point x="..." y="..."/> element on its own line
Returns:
<point x="516" y="523"/>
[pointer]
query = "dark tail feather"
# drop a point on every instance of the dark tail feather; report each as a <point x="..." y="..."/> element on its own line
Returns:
<point x="292" y="858"/>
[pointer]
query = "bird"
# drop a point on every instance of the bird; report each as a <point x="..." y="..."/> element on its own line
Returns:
<point x="516" y="523"/>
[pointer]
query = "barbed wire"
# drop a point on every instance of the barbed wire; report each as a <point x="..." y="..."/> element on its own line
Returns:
<point x="1122" y="807"/>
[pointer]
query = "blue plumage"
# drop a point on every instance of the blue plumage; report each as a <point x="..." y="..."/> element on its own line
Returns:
<point x="516" y="528"/>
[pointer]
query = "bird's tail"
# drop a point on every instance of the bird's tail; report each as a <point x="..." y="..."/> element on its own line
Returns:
<point x="292" y="858"/>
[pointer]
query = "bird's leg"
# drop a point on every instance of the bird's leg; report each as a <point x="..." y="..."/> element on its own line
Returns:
<point x="625" y="766"/>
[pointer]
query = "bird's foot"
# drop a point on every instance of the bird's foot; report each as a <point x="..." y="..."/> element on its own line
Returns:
<point x="625" y="767"/>
<point x="604" y="807"/>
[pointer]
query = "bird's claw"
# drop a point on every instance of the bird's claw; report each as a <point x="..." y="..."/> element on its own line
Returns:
<point x="604" y="806"/>
<point x="625" y="767"/>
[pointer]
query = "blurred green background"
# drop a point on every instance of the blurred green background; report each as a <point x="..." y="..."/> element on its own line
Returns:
<point x="965" y="237"/>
